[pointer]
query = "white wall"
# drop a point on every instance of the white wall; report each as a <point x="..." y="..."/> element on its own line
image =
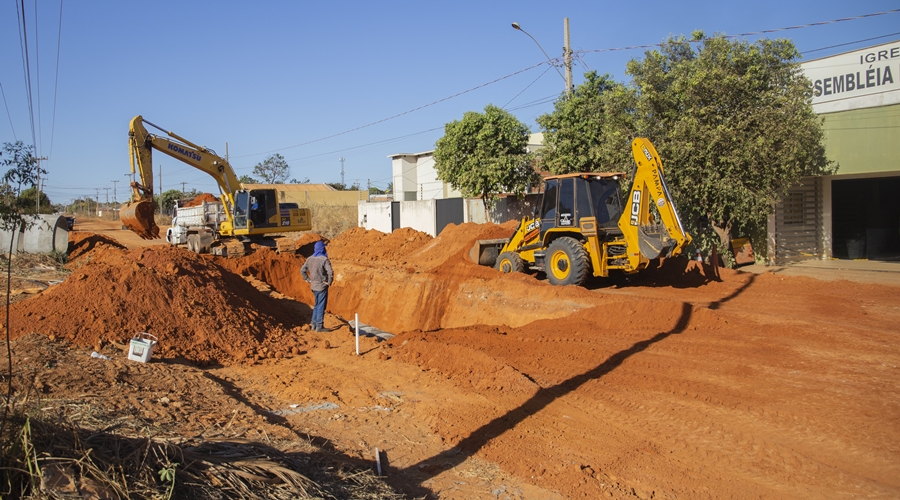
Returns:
<point x="375" y="215"/>
<point x="418" y="215"/>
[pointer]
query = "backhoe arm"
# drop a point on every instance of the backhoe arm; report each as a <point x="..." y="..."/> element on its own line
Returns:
<point x="138" y="216"/>
<point x="640" y="231"/>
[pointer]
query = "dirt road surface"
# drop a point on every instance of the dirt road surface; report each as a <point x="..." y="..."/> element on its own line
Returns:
<point x="676" y="384"/>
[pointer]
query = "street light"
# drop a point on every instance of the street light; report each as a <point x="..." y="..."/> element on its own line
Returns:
<point x="516" y="26"/>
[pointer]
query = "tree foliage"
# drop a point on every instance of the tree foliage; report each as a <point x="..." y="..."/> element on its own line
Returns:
<point x="485" y="154"/>
<point x="246" y="179"/>
<point x="22" y="170"/>
<point x="28" y="202"/>
<point x="733" y="121"/>
<point x="274" y="170"/>
<point x="591" y="130"/>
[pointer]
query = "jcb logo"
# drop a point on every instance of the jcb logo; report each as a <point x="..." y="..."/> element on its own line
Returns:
<point x="635" y="207"/>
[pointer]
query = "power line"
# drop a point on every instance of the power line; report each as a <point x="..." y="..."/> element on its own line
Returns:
<point x="7" y="112"/>
<point x="56" y="79"/>
<point x="397" y="115"/>
<point x="851" y="43"/>
<point x="37" y="70"/>
<point x="26" y="65"/>
<point x="750" y="33"/>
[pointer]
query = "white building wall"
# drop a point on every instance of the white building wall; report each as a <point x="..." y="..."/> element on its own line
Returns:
<point x="375" y="215"/>
<point x="405" y="174"/>
<point x="419" y="215"/>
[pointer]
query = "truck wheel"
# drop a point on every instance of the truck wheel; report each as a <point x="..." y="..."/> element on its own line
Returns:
<point x="193" y="243"/>
<point x="510" y="262"/>
<point x="567" y="262"/>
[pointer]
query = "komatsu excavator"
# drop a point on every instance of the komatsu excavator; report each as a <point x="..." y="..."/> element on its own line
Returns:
<point x="248" y="214"/>
<point x="581" y="227"/>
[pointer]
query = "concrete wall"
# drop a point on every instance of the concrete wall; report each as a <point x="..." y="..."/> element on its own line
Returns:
<point x="48" y="233"/>
<point x="419" y="215"/>
<point x="504" y="209"/>
<point x="375" y="215"/>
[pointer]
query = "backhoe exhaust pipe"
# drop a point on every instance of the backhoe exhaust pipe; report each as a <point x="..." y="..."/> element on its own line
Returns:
<point x="139" y="218"/>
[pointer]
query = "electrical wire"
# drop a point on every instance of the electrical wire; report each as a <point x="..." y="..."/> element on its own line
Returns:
<point x="7" y="113"/>
<point x="37" y="70"/>
<point x="526" y="88"/>
<point x="56" y="80"/>
<point x="397" y="115"/>
<point x="851" y="43"/>
<point x="26" y="66"/>
<point x="751" y="33"/>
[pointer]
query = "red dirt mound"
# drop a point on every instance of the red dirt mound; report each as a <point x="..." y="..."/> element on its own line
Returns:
<point x="197" y="308"/>
<point x="207" y="197"/>
<point x="83" y="243"/>
<point x="361" y="245"/>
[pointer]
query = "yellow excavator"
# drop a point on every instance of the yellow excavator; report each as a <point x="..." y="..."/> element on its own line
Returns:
<point x="580" y="227"/>
<point x="247" y="215"/>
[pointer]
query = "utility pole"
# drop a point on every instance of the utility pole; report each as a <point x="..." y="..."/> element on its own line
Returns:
<point x="182" y="189"/>
<point x="107" y="195"/>
<point x="159" y="188"/>
<point x="97" y="199"/>
<point x="567" y="56"/>
<point x="37" y="187"/>
<point x="342" y="173"/>
<point x="115" y="198"/>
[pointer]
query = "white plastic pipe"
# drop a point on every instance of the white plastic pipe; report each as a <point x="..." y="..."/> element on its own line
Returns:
<point x="378" y="461"/>
<point x="357" y="341"/>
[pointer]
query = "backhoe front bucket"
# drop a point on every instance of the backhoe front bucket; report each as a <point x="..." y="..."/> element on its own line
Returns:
<point x="138" y="217"/>
<point x="485" y="252"/>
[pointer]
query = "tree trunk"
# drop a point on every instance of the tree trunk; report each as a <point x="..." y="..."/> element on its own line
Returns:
<point x="723" y="231"/>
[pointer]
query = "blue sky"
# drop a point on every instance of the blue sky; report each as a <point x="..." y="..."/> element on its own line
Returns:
<point x="320" y="81"/>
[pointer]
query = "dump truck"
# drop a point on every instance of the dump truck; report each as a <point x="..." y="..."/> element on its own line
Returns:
<point x="196" y="226"/>
<point x="250" y="215"/>
<point x="583" y="228"/>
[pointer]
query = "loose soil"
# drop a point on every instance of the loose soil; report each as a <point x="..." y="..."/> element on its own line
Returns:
<point x="678" y="382"/>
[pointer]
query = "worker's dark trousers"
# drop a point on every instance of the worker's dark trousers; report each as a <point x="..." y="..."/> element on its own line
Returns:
<point x="318" y="314"/>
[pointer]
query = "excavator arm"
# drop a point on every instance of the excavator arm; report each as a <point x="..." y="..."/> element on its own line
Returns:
<point x="138" y="215"/>
<point x="648" y="239"/>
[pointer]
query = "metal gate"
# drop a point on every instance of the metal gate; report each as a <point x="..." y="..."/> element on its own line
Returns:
<point x="395" y="216"/>
<point x="448" y="211"/>
<point x="798" y="223"/>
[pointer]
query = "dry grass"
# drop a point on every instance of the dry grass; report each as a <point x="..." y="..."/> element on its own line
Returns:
<point x="50" y="458"/>
<point x="330" y="221"/>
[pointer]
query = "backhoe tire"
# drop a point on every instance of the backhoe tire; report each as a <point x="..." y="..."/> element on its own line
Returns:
<point x="510" y="262"/>
<point x="567" y="262"/>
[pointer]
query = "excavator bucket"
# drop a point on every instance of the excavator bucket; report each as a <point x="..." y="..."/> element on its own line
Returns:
<point x="485" y="252"/>
<point x="138" y="217"/>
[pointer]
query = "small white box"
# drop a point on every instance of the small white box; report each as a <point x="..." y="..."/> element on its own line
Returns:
<point x="142" y="346"/>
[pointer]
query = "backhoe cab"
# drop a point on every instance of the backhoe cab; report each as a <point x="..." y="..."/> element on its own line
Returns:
<point x="581" y="227"/>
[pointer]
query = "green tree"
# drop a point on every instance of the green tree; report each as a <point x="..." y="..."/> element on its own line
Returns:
<point x="26" y="200"/>
<point x="304" y="180"/>
<point x="590" y="131"/>
<point x="340" y="186"/>
<point x="168" y="198"/>
<point x="485" y="154"/>
<point x="734" y="125"/>
<point x="246" y="179"/>
<point x="274" y="170"/>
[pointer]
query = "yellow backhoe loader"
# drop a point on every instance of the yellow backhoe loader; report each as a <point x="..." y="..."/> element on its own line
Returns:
<point x="580" y="227"/>
<point x="246" y="215"/>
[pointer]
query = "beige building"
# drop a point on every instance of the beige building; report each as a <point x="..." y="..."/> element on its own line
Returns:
<point x="305" y="195"/>
<point x="852" y="214"/>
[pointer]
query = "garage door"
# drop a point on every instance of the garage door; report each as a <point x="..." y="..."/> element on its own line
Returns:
<point x="798" y="223"/>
